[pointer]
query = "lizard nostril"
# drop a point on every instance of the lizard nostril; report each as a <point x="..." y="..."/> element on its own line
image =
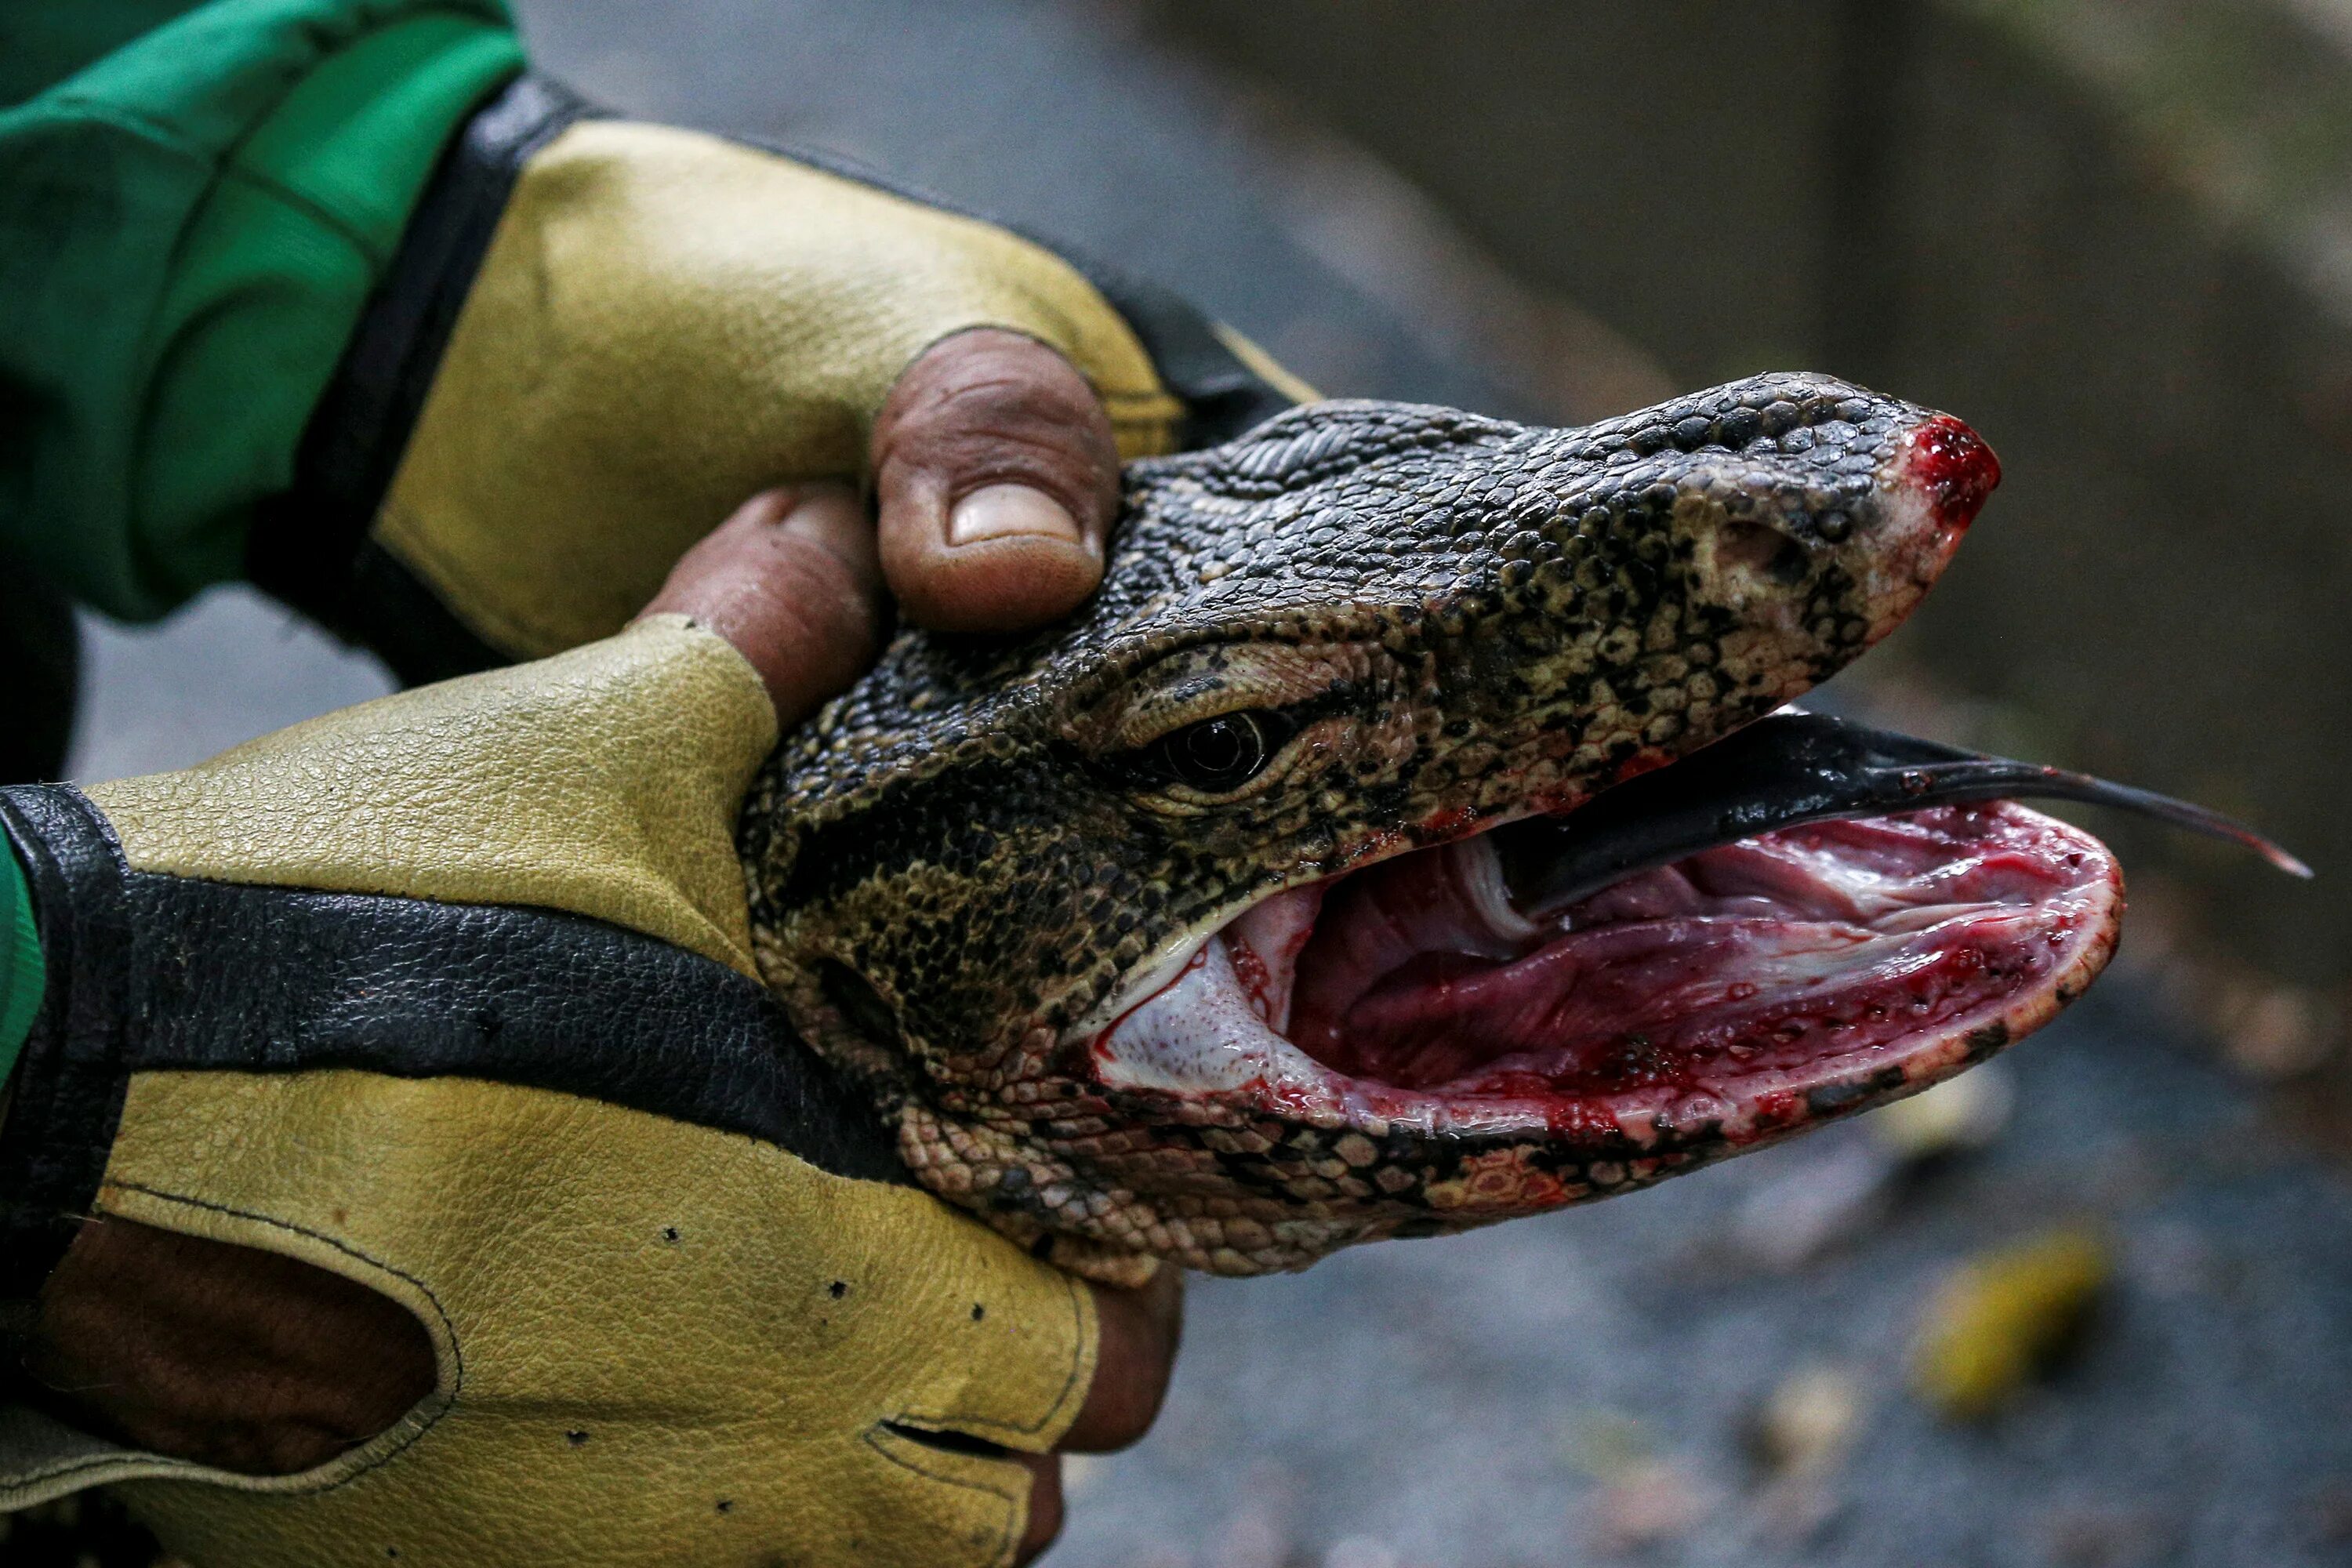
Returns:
<point x="1766" y="552"/>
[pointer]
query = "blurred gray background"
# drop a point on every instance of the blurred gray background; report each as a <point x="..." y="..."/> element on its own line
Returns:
<point x="2113" y="235"/>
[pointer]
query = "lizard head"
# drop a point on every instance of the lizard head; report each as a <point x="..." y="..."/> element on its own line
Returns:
<point x="1176" y="931"/>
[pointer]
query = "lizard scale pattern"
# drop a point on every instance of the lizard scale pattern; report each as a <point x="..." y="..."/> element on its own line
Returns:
<point x="1070" y="908"/>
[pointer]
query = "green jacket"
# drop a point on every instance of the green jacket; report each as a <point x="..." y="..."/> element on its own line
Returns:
<point x="196" y="200"/>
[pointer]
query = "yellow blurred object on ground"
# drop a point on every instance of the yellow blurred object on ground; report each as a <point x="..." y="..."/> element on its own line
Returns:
<point x="2001" y="1317"/>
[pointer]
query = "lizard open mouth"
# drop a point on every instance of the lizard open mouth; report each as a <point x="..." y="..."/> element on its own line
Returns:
<point x="1734" y="985"/>
<point x="1727" y="948"/>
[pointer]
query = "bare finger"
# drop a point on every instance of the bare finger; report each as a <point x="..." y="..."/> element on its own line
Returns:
<point x="997" y="477"/>
<point x="222" y="1355"/>
<point x="1045" y="1505"/>
<point x="1140" y="1329"/>
<point x="792" y="579"/>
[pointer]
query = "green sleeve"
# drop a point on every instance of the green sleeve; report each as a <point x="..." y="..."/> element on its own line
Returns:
<point x="21" y="977"/>
<point x="189" y="227"/>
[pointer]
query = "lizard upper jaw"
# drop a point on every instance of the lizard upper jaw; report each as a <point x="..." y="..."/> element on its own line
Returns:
<point x="1744" y="990"/>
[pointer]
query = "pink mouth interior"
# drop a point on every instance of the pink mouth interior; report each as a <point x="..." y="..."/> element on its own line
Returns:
<point x="1816" y="954"/>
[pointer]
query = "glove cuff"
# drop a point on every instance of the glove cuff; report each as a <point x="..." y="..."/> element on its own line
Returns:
<point x="310" y="546"/>
<point x="66" y="1096"/>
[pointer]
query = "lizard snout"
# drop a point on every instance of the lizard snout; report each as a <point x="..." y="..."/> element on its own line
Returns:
<point x="1955" y="468"/>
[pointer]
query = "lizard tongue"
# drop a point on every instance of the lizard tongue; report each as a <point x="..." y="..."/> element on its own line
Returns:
<point x="1432" y="963"/>
<point x="1790" y="768"/>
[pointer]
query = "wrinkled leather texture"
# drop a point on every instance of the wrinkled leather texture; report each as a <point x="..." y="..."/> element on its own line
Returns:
<point x="666" y="322"/>
<point x="658" y="1344"/>
<point x="150" y="971"/>
<point x="659" y="1340"/>
<point x="604" y="782"/>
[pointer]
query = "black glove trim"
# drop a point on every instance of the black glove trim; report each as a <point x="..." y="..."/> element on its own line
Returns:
<point x="311" y="545"/>
<point x="65" y="1102"/>
<point x="151" y="972"/>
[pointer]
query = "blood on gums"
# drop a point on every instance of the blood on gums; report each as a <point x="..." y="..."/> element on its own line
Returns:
<point x="1450" y="823"/>
<point x="1640" y="762"/>
<point x="1257" y="984"/>
<point x="1575" y="1119"/>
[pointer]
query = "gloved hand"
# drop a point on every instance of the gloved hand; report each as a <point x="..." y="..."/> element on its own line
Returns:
<point x="457" y="1193"/>
<point x="598" y="336"/>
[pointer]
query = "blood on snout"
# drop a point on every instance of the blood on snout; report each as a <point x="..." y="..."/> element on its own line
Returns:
<point x="1957" y="469"/>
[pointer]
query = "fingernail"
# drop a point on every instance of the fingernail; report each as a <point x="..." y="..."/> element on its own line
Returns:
<point x="999" y="511"/>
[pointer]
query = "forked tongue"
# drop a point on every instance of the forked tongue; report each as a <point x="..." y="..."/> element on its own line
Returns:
<point x="1791" y="768"/>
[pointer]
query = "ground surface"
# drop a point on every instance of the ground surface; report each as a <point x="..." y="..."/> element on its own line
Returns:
<point x="1580" y="1387"/>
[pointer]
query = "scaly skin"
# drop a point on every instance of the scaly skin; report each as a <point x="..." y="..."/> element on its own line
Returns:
<point x="959" y="865"/>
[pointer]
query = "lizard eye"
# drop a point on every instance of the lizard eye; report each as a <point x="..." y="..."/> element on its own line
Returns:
<point x="1220" y="755"/>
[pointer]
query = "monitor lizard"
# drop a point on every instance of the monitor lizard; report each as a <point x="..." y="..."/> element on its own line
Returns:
<point x="1181" y="929"/>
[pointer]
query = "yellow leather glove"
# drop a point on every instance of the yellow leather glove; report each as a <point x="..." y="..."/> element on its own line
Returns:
<point x="450" y="995"/>
<point x="600" y="336"/>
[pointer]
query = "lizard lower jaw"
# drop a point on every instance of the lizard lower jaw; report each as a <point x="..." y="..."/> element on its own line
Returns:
<point x="1744" y="990"/>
